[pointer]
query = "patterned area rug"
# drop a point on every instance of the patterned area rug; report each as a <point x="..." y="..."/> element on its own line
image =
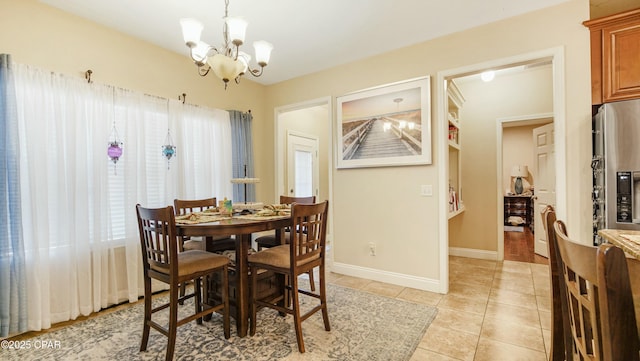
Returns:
<point x="364" y="326"/>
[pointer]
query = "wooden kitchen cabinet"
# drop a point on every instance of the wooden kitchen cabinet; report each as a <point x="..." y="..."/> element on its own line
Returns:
<point x="615" y="57"/>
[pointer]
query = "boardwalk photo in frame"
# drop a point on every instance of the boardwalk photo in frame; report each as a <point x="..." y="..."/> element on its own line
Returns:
<point x="383" y="126"/>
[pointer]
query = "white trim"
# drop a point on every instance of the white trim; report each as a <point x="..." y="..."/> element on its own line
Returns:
<point x="500" y="123"/>
<point x="473" y="253"/>
<point x="421" y="283"/>
<point x="556" y="55"/>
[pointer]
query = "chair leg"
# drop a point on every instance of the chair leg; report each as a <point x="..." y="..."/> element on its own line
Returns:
<point x="198" y="298"/>
<point x="183" y="289"/>
<point x="225" y="299"/>
<point x="205" y="294"/>
<point x="297" y="321"/>
<point x="253" y="310"/>
<point x="147" y="314"/>
<point x="323" y="300"/>
<point x="173" y="323"/>
<point x="311" y="281"/>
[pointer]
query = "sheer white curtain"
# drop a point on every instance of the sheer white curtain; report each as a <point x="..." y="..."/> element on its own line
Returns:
<point x="80" y="229"/>
<point x="208" y="151"/>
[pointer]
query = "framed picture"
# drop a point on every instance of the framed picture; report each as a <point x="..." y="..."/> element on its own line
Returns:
<point x="389" y="125"/>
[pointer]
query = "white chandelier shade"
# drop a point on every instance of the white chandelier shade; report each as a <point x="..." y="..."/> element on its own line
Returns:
<point x="227" y="62"/>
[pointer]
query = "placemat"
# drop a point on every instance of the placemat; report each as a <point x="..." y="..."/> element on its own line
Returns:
<point x="195" y="218"/>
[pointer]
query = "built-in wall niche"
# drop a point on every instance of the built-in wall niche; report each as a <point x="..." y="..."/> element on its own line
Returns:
<point x="455" y="100"/>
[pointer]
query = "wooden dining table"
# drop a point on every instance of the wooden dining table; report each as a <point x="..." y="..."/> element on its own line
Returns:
<point x="629" y="241"/>
<point x="242" y="226"/>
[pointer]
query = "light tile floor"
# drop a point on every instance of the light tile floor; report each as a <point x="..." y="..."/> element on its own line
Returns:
<point x="493" y="311"/>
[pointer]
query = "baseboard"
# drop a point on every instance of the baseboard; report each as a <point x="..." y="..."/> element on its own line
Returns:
<point x="421" y="283"/>
<point x="473" y="253"/>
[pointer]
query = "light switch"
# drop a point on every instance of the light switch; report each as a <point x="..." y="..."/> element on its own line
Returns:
<point x="426" y="190"/>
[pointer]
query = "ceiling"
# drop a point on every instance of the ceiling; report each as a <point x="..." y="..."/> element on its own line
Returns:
<point x="308" y="36"/>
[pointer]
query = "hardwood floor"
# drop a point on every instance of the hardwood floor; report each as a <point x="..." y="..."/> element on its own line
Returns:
<point x="518" y="246"/>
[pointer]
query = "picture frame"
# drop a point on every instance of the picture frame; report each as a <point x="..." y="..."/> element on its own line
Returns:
<point x="388" y="125"/>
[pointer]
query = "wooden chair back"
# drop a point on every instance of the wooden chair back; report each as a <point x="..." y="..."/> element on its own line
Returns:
<point x="308" y="232"/>
<point x="159" y="242"/>
<point x="184" y="206"/>
<point x="290" y="200"/>
<point x="561" y="340"/>
<point x="602" y="316"/>
<point x="299" y="200"/>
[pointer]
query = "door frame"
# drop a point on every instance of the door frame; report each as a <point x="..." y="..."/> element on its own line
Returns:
<point x="556" y="56"/>
<point x="500" y="124"/>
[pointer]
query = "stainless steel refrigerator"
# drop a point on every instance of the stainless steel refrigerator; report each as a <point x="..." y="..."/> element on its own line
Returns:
<point x="616" y="166"/>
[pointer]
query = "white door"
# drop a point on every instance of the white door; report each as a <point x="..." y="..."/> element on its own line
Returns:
<point x="302" y="165"/>
<point x="545" y="184"/>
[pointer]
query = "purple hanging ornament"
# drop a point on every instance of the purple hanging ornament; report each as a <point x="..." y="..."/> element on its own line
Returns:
<point x="114" y="151"/>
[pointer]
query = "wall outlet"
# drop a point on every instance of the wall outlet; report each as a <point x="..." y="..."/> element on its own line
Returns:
<point x="372" y="248"/>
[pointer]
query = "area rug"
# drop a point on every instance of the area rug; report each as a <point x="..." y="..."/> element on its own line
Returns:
<point x="364" y="326"/>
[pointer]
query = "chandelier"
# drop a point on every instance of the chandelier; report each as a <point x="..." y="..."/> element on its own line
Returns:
<point x="227" y="61"/>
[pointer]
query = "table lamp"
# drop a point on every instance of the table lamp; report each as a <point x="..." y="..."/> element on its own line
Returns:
<point x="519" y="171"/>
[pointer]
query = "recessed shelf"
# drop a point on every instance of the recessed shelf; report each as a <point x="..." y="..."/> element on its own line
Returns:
<point x="456" y="213"/>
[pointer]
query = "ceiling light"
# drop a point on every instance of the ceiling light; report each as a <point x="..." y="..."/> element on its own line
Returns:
<point x="227" y="61"/>
<point x="488" y="76"/>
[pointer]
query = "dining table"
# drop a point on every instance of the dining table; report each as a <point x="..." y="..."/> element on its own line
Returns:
<point x="242" y="226"/>
<point x="629" y="242"/>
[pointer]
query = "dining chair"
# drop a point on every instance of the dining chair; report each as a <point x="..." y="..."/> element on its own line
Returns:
<point x="561" y="340"/>
<point x="212" y="244"/>
<point x="269" y="240"/>
<point x="601" y="310"/>
<point x="217" y="244"/>
<point x="305" y="252"/>
<point x="162" y="262"/>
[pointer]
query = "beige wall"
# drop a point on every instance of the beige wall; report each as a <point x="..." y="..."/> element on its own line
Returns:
<point x="601" y="8"/>
<point x="383" y="205"/>
<point x="517" y="149"/>
<point x="48" y="38"/>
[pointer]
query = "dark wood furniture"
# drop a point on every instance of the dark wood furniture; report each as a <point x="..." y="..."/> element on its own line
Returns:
<point x="518" y="206"/>
<point x="601" y="311"/>
<point x="268" y="241"/>
<point x="615" y="57"/>
<point x="162" y="261"/>
<point x="213" y="244"/>
<point x="304" y="253"/>
<point x="561" y="339"/>
<point x="242" y="228"/>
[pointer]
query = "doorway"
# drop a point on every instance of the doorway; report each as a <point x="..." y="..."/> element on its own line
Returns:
<point x="312" y="120"/>
<point x="556" y="90"/>
<point x="526" y="150"/>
